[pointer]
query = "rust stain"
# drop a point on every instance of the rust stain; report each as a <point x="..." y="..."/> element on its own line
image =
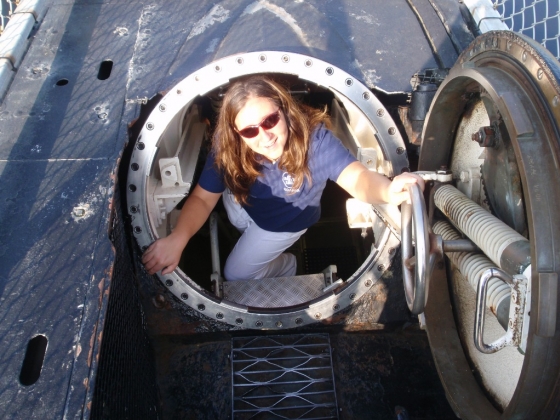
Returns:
<point x="86" y="382"/>
<point x="100" y="286"/>
<point x="78" y="350"/>
<point x="90" y="352"/>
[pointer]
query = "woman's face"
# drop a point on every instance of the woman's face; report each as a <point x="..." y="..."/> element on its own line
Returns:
<point x="268" y="143"/>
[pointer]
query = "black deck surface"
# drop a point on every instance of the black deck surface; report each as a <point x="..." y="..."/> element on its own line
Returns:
<point x="376" y="372"/>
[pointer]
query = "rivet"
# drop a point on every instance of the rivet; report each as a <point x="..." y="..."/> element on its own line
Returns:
<point x="133" y="209"/>
<point x="380" y="112"/>
<point x="391" y="251"/>
<point x="140" y="146"/>
<point x="145" y="247"/>
<point x="150" y="126"/>
<point x="308" y="63"/>
<point x="317" y="315"/>
<point x="524" y="56"/>
<point x="336" y="307"/>
<point x="329" y="71"/>
<point x="201" y="307"/>
<point x="262" y="59"/>
<point x="380" y="267"/>
<point x="278" y="324"/>
<point x="400" y="150"/>
<point x="238" y="321"/>
<point x="366" y="96"/>
<point x="134" y="166"/>
<point x="197" y="78"/>
<point x="220" y="315"/>
<point x="179" y="91"/>
<point x="184" y="296"/>
<point x="137" y="229"/>
<point x="369" y="162"/>
<point x="162" y="107"/>
<point x="286" y="58"/>
<point x="349" y="82"/>
<point x="540" y="73"/>
<point x="239" y="60"/>
<point x="352" y="296"/>
<point x="299" y="321"/>
<point x="217" y="69"/>
<point x="132" y="188"/>
<point x="258" y="324"/>
<point x="169" y="283"/>
<point x="392" y="131"/>
<point x="368" y="283"/>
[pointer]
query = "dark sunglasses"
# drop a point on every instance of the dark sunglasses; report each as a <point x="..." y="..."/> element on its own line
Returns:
<point x="269" y="122"/>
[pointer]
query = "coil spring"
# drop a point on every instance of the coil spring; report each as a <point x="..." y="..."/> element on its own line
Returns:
<point x="488" y="232"/>
<point x="472" y="266"/>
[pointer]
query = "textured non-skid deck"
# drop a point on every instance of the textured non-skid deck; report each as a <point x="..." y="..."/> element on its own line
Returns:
<point x="285" y="377"/>
<point x="276" y="292"/>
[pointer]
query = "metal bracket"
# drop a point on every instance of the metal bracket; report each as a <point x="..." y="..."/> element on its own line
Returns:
<point x="330" y="276"/>
<point x="513" y="335"/>
<point x="217" y="282"/>
<point x="177" y="168"/>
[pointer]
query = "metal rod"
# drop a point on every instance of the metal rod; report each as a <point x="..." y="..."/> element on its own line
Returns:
<point x="214" y="243"/>
<point x="459" y="245"/>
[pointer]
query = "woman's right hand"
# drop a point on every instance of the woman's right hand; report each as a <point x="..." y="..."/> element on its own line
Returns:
<point x="164" y="254"/>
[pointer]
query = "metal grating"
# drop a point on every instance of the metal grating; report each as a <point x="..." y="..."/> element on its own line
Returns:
<point x="125" y="384"/>
<point x="283" y="377"/>
<point x="275" y="292"/>
<point x="538" y="19"/>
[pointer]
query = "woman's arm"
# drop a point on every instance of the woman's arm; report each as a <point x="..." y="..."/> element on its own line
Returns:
<point x="165" y="253"/>
<point x="374" y="188"/>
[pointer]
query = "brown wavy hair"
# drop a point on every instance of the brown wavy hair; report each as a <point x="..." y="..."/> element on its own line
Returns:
<point x="238" y="163"/>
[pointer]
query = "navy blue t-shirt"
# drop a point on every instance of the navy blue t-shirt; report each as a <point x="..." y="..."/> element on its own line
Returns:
<point x="271" y="203"/>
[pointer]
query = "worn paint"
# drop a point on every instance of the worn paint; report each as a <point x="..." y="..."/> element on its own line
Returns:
<point x="279" y="12"/>
<point x="216" y="15"/>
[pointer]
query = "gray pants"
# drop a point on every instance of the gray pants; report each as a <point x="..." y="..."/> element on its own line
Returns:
<point x="259" y="253"/>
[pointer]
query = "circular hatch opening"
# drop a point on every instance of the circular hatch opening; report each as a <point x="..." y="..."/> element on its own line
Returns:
<point x="170" y="152"/>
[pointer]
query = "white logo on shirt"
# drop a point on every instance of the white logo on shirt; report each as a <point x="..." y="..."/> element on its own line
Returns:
<point x="288" y="181"/>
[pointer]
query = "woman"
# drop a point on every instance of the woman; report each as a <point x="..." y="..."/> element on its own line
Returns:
<point x="272" y="157"/>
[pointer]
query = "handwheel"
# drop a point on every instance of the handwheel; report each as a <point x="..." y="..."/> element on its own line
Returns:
<point x="415" y="250"/>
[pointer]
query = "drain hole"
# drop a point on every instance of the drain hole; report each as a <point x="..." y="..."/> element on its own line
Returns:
<point x="62" y="82"/>
<point x="105" y="70"/>
<point x="33" y="361"/>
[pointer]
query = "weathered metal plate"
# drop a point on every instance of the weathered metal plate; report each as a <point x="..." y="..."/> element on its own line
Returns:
<point x="275" y="292"/>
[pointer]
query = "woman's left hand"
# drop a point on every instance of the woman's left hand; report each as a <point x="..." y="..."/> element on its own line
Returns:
<point x="397" y="192"/>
